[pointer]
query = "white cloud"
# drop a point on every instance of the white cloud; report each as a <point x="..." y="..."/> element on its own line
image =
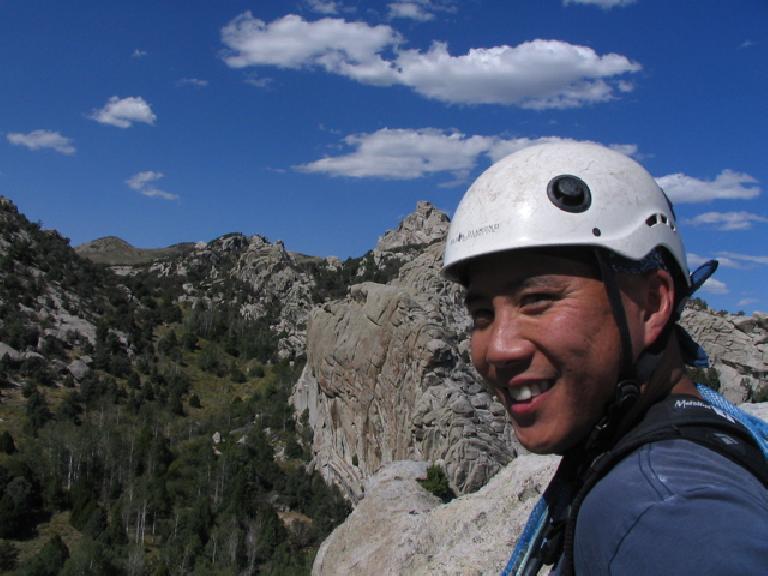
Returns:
<point x="538" y="74"/>
<point x="604" y="4"/>
<point x="196" y="82"/>
<point x="123" y="112"/>
<point x="406" y="154"/>
<point x="39" y="139"/>
<point x="413" y="10"/>
<point x="747" y="301"/>
<point x="141" y="179"/>
<point x="695" y="260"/>
<point x="724" y="260"/>
<point x="747" y="44"/>
<point x="714" y="286"/>
<point x="137" y="53"/>
<point x="257" y="81"/>
<point x="157" y="193"/>
<point x="746" y="258"/>
<point x="142" y="182"/>
<point x="403" y="154"/>
<point x="727" y="221"/>
<point x="729" y="184"/>
<point x="324" y="7"/>
<point x="292" y="42"/>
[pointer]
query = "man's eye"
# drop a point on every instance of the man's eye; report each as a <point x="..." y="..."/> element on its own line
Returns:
<point x="537" y="300"/>
<point x="481" y="317"/>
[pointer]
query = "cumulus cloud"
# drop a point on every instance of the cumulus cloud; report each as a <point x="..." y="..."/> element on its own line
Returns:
<point x="143" y="183"/>
<point x="403" y="154"/>
<point x="40" y="139"/>
<point x="137" y="53"/>
<point x="123" y="112"/>
<point x="292" y="42"/>
<point x="729" y="185"/>
<point x="196" y="82"/>
<point x="538" y="74"/>
<point x="747" y="301"/>
<point x="604" y="4"/>
<point x="727" y="221"/>
<point x="406" y="154"/>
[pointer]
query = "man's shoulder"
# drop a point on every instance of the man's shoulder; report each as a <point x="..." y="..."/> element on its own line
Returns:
<point x="669" y="499"/>
<point x="659" y="470"/>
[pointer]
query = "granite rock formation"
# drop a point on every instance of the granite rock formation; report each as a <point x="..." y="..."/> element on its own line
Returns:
<point x="737" y="346"/>
<point x="400" y="528"/>
<point x="388" y="378"/>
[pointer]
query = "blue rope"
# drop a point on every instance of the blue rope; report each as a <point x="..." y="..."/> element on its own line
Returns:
<point x="533" y="527"/>
<point x="756" y="427"/>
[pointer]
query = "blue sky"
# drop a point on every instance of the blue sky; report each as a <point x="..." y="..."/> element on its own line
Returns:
<point x="322" y="123"/>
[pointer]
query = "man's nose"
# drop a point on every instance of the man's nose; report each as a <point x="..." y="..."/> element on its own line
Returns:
<point x="509" y="344"/>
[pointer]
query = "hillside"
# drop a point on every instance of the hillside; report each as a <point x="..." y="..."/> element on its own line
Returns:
<point x="114" y="251"/>
<point x="145" y="423"/>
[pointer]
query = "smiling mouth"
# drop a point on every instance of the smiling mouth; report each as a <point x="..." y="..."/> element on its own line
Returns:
<point x="529" y="391"/>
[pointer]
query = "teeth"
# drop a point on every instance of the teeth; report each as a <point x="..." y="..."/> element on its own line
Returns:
<point x="523" y="393"/>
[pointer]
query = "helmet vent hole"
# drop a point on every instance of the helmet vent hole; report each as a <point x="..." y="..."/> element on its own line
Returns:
<point x="596" y="232"/>
<point x="660" y="218"/>
<point x="569" y="193"/>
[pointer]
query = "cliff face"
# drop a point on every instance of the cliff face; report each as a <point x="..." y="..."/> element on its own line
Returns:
<point x="388" y="378"/>
<point x="737" y="347"/>
<point x="400" y="528"/>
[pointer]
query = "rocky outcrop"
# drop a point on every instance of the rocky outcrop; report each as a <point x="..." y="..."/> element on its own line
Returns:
<point x="400" y="528"/>
<point x="425" y="225"/>
<point x="388" y="378"/>
<point x="737" y="347"/>
<point x="276" y="284"/>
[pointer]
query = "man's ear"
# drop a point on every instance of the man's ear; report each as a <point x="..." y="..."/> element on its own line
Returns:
<point x="659" y="304"/>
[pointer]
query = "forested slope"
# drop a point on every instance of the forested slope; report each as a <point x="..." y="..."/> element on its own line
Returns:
<point x="142" y="432"/>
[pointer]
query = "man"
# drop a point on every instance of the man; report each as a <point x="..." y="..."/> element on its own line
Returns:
<point x="575" y="276"/>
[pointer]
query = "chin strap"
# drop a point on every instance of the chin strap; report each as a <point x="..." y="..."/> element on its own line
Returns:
<point x="608" y="276"/>
<point x="627" y="389"/>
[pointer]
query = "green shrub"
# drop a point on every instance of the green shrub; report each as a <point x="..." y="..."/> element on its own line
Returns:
<point x="437" y="483"/>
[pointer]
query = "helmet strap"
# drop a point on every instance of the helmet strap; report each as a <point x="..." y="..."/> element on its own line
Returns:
<point x="626" y="368"/>
<point x="627" y="389"/>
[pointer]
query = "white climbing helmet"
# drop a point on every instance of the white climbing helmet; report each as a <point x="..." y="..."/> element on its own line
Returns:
<point x="563" y="194"/>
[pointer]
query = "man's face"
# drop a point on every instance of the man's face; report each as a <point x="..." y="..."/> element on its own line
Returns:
<point x="545" y="339"/>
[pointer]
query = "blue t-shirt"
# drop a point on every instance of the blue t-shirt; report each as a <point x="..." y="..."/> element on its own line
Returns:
<point x="674" y="507"/>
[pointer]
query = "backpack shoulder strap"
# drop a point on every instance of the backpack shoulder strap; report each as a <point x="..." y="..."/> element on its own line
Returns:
<point x="689" y="418"/>
<point x="676" y="417"/>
